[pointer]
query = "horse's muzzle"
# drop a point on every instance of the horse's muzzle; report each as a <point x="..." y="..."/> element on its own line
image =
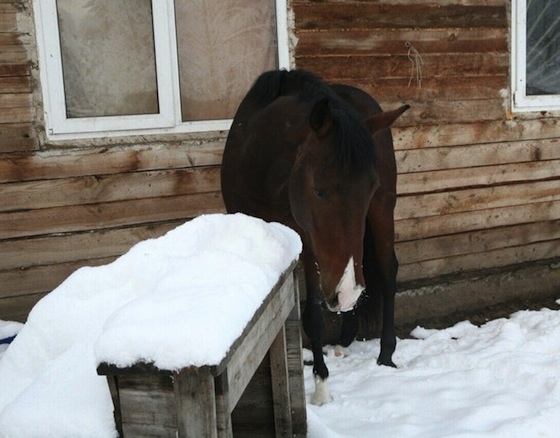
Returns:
<point x="347" y="290"/>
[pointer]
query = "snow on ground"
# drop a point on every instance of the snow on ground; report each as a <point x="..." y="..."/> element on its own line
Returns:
<point x="497" y="380"/>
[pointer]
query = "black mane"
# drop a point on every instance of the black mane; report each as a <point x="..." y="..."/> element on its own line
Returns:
<point x="353" y="144"/>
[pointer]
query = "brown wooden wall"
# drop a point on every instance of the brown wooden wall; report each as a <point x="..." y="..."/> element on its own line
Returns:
<point x="479" y="187"/>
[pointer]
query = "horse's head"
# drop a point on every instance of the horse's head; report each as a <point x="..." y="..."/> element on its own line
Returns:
<point x="331" y="186"/>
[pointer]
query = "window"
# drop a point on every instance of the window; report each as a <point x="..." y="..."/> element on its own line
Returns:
<point x="536" y="55"/>
<point x="115" y="67"/>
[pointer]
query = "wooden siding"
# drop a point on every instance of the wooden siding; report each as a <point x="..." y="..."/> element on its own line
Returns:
<point x="479" y="187"/>
<point x="88" y="206"/>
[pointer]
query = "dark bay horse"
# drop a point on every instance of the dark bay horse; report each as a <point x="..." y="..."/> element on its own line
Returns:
<point x="320" y="160"/>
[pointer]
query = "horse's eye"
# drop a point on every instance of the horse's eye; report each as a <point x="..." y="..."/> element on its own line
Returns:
<point x="320" y="192"/>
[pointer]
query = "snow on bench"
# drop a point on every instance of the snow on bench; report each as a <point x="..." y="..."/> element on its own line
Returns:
<point x="169" y="302"/>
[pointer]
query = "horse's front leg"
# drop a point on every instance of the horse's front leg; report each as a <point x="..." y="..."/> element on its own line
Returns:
<point x="381" y="263"/>
<point x="388" y="336"/>
<point x="348" y="332"/>
<point x="314" y="325"/>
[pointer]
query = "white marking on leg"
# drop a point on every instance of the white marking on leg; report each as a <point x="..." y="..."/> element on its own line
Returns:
<point x="348" y="290"/>
<point x="321" y="395"/>
<point x="340" y="351"/>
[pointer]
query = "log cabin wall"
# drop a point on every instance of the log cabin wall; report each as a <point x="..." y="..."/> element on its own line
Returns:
<point x="478" y="213"/>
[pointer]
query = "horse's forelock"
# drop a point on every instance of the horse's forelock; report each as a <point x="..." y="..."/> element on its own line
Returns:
<point x="353" y="144"/>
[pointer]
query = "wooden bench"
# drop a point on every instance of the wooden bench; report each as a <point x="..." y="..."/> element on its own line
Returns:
<point x="199" y="401"/>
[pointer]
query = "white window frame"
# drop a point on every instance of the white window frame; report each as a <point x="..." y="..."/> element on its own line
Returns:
<point x="169" y="120"/>
<point x="521" y="102"/>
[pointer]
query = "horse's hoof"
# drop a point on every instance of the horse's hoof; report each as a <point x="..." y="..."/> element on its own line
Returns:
<point x="340" y="351"/>
<point x="386" y="362"/>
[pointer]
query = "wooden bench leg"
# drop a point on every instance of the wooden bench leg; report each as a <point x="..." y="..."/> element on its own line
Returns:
<point x="286" y="364"/>
<point x="196" y="403"/>
<point x="280" y="386"/>
<point x="295" y="360"/>
<point x="223" y="409"/>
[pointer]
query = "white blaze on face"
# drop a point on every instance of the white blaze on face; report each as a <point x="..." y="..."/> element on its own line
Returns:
<point x="348" y="290"/>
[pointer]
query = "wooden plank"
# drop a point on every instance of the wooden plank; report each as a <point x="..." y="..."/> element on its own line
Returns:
<point x="15" y="69"/>
<point x="113" y="384"/>
<point x="88" y="246"/>
<point x="8" y="18"/>
<point x="40" y="279"/>
<point x="196" y="407"/>
<point x="421" y="228"/>
<point x="480" y="261"/>
<point x="245" y="359"/>
<point x="449" y="179"/>
<point x="476" y="155"/>
<point x="453" y="111"/>
<point x="14" y="100"/>
<point x="295" y="361"/>
<point x="421" y="2"/>
<point x="347" y="68"/>
<point x="20" y="114"/>
<point x="144" y="407"/>
<point x="368" y="15"/>
<point x="149" y="404"/>
<point x="224" y="423"/>
<point x="37" y="222"/>
<point x="108" y="188"/>
<point x="392" y="41"/>
<point x="148" y="431"/>
<point x="17" y="308"/>
<point x="482" y="198"/>
<point x="15" y="84"/>
<point x="424" y="135"/>
<point x="16" y="138"/>
<point x="65" y="163"/>
<point x="281" y="385"/>
<point x="479" y="241"/>
<point x="402" y="90"/>
<point x="12" y="38"/>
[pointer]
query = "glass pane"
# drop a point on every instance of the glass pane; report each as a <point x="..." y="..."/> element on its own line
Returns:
<point x="223" y="46"/>
<point x="108" y="58"/>
<point x="543" y="47"/>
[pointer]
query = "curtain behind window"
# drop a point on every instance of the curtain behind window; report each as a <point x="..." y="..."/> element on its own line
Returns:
<point x="108" y="55"/>
<point x="108" y="60"/>
<point x="223" y="46"/>
<point x="543" y="47"/>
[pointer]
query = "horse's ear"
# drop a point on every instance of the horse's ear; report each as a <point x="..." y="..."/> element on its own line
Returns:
<point x="385" y="119"/>
<point x="320" y="118"/>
